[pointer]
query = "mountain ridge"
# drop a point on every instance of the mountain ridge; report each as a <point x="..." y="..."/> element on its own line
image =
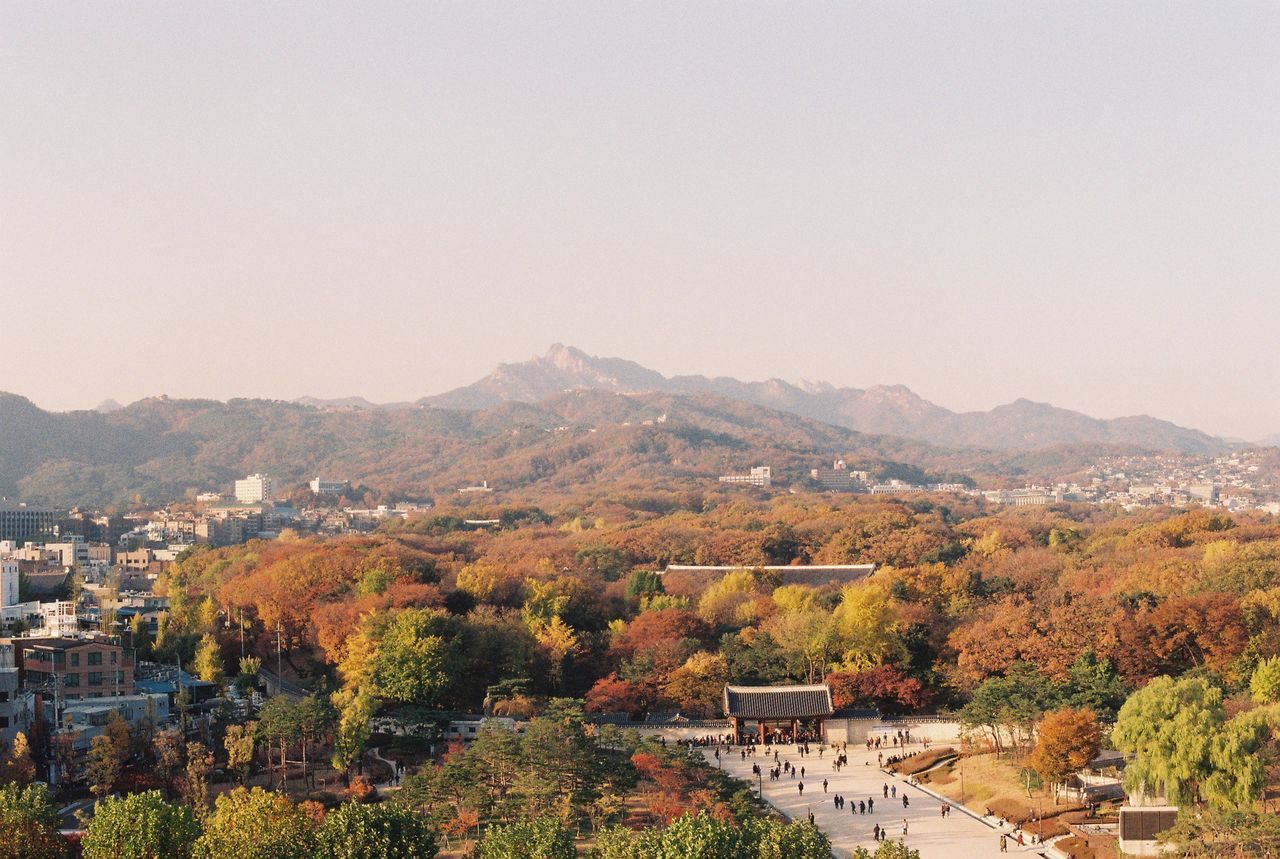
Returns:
<point x="1023" y="424"/>
<point x="160" y="449"/>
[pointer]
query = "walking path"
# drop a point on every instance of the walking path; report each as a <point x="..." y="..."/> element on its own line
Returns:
<point x="961" y="834"/>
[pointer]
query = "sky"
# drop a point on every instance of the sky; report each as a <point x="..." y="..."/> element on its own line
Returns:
<point x="1073" y="202"/>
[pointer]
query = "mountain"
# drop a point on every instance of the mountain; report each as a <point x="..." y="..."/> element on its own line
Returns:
<point x="161" y="449"/>
<point x="107" y="406"/>
<point x="886" y="410"/>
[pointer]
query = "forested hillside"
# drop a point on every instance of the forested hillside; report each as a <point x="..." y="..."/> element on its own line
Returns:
<point x="159" y="449"/>
<point x="566" y="599"/>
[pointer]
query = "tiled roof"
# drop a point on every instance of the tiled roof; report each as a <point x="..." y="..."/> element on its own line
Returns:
<point x="777" y="702"/>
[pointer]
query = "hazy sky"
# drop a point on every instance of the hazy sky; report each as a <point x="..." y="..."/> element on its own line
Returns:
<point x="1072" y="202"/>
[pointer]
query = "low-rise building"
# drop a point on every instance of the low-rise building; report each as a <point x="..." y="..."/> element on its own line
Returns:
<point x="75" y="667"/>
<point x="760" y="475"/>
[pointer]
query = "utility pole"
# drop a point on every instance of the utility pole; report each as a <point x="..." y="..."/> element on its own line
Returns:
<point x="240" y="622"/>
<point x="279" y="635"/>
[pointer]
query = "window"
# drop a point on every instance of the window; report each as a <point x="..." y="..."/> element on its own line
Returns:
<point x="95" y="678"/>
<point x="75" y="660"/>
<point x="120" y="677"/>
<point x="113" y="657"/>
<point x="95" y="657"/>
<point x="4" y="721"/>
<point x="73" y="680"/>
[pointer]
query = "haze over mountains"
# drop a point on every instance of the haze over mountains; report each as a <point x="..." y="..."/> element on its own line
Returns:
<point x="884" y="410"/>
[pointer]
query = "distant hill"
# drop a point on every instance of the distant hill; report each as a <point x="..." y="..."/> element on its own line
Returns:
<point x="161" y="449"/>
<point x="886" y="410"/>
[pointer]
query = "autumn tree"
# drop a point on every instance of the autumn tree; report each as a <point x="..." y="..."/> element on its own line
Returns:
<point x="140" y="826"/>
<point x="415" y="658"/>
<point x="885" y="687"/>
<point x="17" y="764"/>
<point x="240" y="742"/>
<point x="1264" y="684"/>
<point x="257" y="824"/>
<point x="208" y="662"/>
<point x="1066" y="740"/>
<point x="29" y="823"/>
<point x="103" y="766"/>
<point x="613" y="695"/>
<point x="195" y="784"/>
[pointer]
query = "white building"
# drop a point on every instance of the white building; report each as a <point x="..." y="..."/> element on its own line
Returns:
<point x="74" y="553"/>
<point x="329" y="487"/>
<point x="760" y="475"/>
<point x="59" y="618"/>
<point x="254" y="489"/>
<point x="8" y="583"/>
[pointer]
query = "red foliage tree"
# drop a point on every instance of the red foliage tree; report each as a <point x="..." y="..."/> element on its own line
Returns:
<point x="884" y="687"/>
<point x="614" y="695"/>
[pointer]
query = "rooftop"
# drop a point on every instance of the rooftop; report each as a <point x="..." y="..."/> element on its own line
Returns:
<point x="778" y="702"/>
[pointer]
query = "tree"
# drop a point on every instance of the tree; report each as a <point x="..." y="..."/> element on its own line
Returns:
<point x="1011" y="705"/>
<point x="195" y="787"/>
<point x="558" y="642"/>
<point x="103" y="766"/>
<point x="539" y="838"/>
<point x="208" y="663"/>
<point x="1066" y="741"/>
<point x="643" y="583"/>
<point x="240" y="742"/>
<point x="256" y="824"/>
<point x="1094" y="684"/>
<point x="140" y="826"/>
<point x="868" y="625"/>
<point x="1169" y="726"/>
<point x="385" y="831"/>
<point x="1264" y="685"/>
<point x="29" y="824"/>
<point x="414" y="660"/>
<point x="18" y="765"/>
<point x="559" y="760"/>
<point x="355" y="709"/>
<point x="1209" y="834"/>
<point x="167" y="748"/>
<point x="613" y="695"/>
<point x="795" y="840"/>
<point x="697" y="685"/>
<point x="885" y="687"/>
<point x="887" y="850"/>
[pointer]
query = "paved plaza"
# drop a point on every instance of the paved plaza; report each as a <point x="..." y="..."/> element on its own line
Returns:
<point x="958" y="836"/>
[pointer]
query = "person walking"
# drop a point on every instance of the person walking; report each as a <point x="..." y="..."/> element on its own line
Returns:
<point x="871" y="805"/>
<point x="801" y="786"/>
<point x="886" y="790"/>
<point x="875" y="832"/>
<point x="862" y="807"/>
<point x="1004" y="844"/>
<point x="905" y="801"/>
<point x="824" y="785"/>
<point x="904" y="827"/>
<point x="894" y="791"/>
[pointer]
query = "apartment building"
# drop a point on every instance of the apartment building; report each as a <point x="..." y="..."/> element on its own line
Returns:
<point x="83" y="667"/>
<point x="254" y="489"/>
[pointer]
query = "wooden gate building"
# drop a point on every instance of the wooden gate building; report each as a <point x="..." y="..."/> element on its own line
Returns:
<point x="778" y="714"/>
